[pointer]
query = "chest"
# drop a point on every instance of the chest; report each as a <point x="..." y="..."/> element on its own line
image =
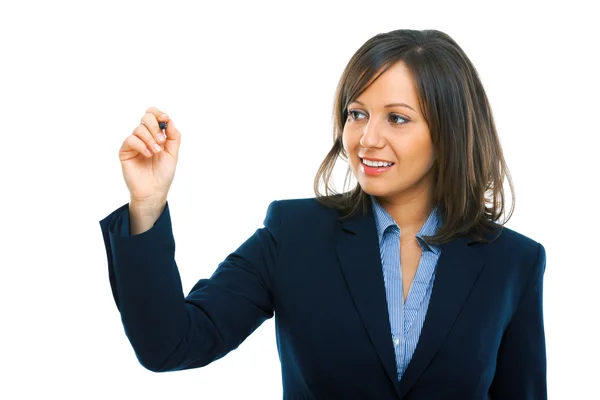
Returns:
<point x="410" y="256"/>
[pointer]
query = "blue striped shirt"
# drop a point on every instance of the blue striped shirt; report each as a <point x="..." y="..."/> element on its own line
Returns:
<point x="406" y="319"/>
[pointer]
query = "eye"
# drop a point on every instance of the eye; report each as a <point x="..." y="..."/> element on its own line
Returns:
<point x="352" y="114"/>
<point x="393" y="116"/>
<point x="396" y="119"/>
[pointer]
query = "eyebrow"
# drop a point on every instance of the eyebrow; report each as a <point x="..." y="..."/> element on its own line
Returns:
<point x="388" y="105"/>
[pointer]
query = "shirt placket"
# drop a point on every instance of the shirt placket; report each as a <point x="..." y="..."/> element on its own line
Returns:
<point x="395" y="298"/>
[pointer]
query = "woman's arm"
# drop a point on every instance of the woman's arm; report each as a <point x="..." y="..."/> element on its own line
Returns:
<point x="167" y="331"/>
<point x="521" y="364"/>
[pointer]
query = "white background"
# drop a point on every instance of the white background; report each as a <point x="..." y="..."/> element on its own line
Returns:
<point x="250" y="85"/>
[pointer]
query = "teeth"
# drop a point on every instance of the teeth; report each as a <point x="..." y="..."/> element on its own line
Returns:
<point x="377" y="163"/>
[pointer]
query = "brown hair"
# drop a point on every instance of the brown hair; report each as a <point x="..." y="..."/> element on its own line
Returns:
<point x="470" y="166"/>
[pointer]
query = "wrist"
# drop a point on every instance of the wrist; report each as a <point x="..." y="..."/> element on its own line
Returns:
<point x="149" y="207"/>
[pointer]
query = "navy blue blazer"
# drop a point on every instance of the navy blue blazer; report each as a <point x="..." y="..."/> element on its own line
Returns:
<point x="483" y="336"/>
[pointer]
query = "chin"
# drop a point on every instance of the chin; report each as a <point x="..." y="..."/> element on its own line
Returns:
<point x="377" y="190"/>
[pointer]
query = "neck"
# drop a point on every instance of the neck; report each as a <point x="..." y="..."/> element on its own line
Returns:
<point x="409" y="215"/>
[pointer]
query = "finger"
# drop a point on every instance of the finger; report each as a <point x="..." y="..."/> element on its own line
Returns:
<point x="171" y="131"/>
<point x="160" y="116"/>
<point x="144" y="134"/>
<point x="135" y="143"/>
<point x="173" y="139"/>
<point x="150" y="122"/>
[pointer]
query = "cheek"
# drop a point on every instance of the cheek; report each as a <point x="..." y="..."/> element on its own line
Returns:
<point x="424" y="159"/>
<point x="418" y="149"/>
<point x="349" y="143"/>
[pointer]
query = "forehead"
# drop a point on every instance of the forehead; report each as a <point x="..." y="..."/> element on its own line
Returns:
<point x="396" y="84"/>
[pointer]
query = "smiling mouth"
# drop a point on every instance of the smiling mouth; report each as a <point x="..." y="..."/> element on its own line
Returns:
<point x="377" y="164"/>
<point x="375" y="171"/>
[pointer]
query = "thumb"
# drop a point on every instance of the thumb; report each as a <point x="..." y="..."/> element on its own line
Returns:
<point x="173" y="139"/>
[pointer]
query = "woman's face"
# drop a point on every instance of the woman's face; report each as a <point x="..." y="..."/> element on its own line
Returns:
<point x="380" y="128"/>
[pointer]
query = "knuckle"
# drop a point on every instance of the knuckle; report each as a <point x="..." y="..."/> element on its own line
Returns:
<point x="139" y="130"/>
<point x="150" y="121"/>
<point x="144" y="136"/>
<point x="149" y="128"/>
<point x="134" y="139"/>
<point x="154" y="111"/>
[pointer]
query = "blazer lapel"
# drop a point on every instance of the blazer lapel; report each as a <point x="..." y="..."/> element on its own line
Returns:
<point x="457" y="269"/>
<point x="360" y="260"/>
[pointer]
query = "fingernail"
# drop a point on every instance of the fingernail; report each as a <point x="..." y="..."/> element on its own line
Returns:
<point x="156" y="147"/>
<point x="164" y="116"/>
<point x="160" y="137"/>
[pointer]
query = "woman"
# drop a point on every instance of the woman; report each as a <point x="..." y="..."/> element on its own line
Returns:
<point x="404" y="287"/>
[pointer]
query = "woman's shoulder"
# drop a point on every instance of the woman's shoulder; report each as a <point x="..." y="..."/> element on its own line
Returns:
<point x="512" y="238"/>
<point x="306" y="207"/>
<point x="302" y="216"/>
<point x="309" y="205"/>
<point x="513" y="245"/>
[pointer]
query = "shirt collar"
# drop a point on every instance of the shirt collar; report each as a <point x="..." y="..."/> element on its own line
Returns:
<point x="383" y="221"/>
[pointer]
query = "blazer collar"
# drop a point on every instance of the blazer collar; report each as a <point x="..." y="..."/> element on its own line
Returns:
<point x="457" y="269"/>
<point x="383" y="220"/>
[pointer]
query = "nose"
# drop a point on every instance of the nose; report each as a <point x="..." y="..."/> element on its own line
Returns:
<point x="371" y="136"/>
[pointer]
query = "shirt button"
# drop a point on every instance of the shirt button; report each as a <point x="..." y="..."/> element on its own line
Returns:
<point x="396" y="341"/>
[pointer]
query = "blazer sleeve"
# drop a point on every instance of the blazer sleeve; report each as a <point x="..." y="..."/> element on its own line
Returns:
<point x="167" y="331"/>
<point x="521" y="364"/>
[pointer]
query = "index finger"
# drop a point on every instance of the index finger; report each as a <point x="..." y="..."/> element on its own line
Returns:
<point x="160" y="115"/>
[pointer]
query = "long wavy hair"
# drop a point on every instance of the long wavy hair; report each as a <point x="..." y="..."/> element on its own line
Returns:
<point x="470" y="166"/>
